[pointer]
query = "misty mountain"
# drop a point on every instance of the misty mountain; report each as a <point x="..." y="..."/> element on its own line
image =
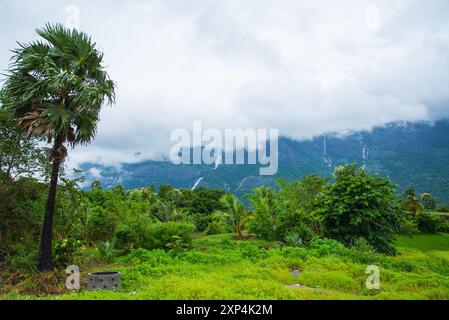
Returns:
<point x="411" y="154"/>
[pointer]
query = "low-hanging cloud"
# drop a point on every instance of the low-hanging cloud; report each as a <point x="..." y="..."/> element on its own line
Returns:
<point x="303" y="67"/>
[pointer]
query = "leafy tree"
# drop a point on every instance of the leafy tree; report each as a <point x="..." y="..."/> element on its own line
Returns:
<point x="360" y="205"/>
<point x="289" y="210"/>
<point x="429" y="202"/>
<point x="96" y="185"/>
<point x="265" y="213"/>
<point x="300" y="200"/>
<point x="237" y="214"/>
<point x="19" y="157"/>
<point x="410" y="202"/>
<point x="55" y="89"/>
<point x="21" y="160"/>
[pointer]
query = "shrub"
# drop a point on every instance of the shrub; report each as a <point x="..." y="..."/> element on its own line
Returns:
<point x="133" y="233"/>
<point x="106" y="250"/>
<point x="442" y="208"/>
<point x="443" y="226"/>
<point x="149" y="235"/>
<point x="426" y="222"/>
<point x="292" y="239"/>
<point x="409" y="227"/>
<point x="65" y="251"/>
<point x="217" y="227"/>
<point x="253" y="252"/>
<point x="360" y="251"/>
<point x="162" y="235"/>
<point x="323" y="246"/>
<point x="22" y="258"/>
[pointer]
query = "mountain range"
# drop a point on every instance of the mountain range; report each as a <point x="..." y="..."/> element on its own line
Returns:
<point x="412" y="154"/>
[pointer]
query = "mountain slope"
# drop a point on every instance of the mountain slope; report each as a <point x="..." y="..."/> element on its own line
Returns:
<point x="412" y="155"/>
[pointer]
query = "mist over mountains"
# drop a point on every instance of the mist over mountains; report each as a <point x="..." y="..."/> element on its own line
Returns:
<point x="411" y="154"/>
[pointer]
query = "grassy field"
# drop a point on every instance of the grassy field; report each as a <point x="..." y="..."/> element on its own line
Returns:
<point x="222" y="268"/>
<point x="424" y="242"/>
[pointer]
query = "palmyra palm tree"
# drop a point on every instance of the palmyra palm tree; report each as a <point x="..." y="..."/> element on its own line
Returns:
<point x="55" y="89"/>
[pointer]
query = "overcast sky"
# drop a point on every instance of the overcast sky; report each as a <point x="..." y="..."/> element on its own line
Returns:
<point x="303" y="67"/>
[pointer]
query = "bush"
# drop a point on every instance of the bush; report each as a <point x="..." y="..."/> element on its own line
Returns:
<point x="133" y="233"/>
<point x="443" y="226"/>
<point x="65" y="252"/>
<point x="149" y="235"/>
<point x="106" y="250"/>
<point x="442" y="208"/>
<point x="426" y="222"/>
<point x="22" y="258"/>
<point x="359" y="252"/>
<point x="217" y="227"/>
<point x="408" y="227"/>
<point x="164" y="235"/>
<point x="292" y="239"/>
<point x="323" y="246"/>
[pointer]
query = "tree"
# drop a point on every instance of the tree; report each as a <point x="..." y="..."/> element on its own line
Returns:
<point x="237" y="214"/>
<point x="266" y="208"/>
<point x="300" y="200"/>
<point x="288" y="212"/>
<point x="19" y="157"/>
<point x="429" y="202"/>
<point x="410" y="202"/>
<point x="360" y="205"/>
<point x="55" y="89"/>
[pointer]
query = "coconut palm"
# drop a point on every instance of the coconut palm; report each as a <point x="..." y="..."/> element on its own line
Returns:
<point x="236" y="213"/>
<point x="55" y="89"/>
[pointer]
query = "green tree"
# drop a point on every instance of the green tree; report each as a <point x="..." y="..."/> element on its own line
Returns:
<point x="96" y="185"/>
<point x="19" y="157"/>
<point x="410" y="203"/>
<point x="360" y="205"/>
<point x="428" y="201"/>
<point x="55" y="89"/>
<point x="265" y="213"/>
<point x="237" y="214"/>
<point x="290" y="211"/>
<point x="300" y="199"/>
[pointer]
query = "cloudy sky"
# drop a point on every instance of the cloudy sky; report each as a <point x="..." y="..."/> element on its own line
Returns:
<point x="303" y="67"/>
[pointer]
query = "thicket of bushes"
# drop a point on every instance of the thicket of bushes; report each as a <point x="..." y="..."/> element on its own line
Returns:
<point x="357" y="209"/>
<point x="356" y="206"/>
<point x="122" y="219"/>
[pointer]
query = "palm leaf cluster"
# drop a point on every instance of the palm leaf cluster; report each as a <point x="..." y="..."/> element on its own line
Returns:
<point x="56" y="87"/>
<point x="236" y="213"/>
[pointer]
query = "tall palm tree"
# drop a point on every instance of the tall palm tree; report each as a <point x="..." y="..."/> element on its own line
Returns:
<point x="55" y="89"/>
<point x="237" y="214"/>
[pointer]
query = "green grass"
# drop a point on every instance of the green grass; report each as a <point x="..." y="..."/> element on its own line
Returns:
<point x="424" y="242"/>
<point x="219" y="267"/>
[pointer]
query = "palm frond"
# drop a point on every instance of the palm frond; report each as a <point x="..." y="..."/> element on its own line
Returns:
<point x="56" y="86"/>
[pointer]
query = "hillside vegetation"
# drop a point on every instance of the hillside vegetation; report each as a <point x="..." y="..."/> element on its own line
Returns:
<point x="205" y="244"/>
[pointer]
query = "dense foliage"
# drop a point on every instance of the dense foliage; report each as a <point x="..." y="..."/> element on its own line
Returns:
<point x="287" y="211"/>
<point x="360" y="205"/>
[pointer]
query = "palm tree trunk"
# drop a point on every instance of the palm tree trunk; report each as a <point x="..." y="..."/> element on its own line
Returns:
<point x="45" y="253"/>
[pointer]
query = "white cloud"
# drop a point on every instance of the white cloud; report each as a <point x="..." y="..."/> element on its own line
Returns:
<point x="303" y="67"/>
